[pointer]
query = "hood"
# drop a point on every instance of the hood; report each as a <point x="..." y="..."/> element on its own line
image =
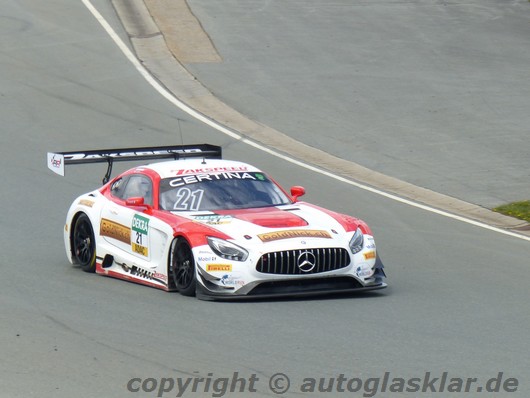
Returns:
<point x="270" y="217"/>
<point x="274" y="223"/>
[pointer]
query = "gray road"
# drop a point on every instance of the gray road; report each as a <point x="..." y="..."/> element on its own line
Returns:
<point x="457" y="301"/>
<point x="428" y="91"/>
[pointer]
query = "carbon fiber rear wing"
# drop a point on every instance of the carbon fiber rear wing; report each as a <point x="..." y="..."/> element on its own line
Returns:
<point x="58" y="160"/>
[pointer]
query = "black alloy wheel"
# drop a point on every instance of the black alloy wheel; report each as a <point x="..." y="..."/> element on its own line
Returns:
<point x="183" y="267"/>
<point x="84" y="244"/>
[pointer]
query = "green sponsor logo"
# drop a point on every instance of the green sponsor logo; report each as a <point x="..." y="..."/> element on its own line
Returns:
<point x="140" y="224"/>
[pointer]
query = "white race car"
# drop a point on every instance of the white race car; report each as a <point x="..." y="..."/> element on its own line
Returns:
<point x="216" y="228"/>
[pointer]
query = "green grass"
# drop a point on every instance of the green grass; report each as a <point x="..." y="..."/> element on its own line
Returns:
<point x="516" y="209"/>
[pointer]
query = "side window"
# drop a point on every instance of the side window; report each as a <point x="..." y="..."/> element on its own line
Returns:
<point x="118" y="187"/>
<point x="138" y="186"/>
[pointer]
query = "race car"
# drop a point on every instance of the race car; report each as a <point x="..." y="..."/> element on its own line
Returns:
<point x="218" y="229"/>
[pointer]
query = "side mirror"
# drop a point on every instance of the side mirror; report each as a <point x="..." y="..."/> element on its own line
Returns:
<point x="296" y="192"/>
<point x="137" y="201"/>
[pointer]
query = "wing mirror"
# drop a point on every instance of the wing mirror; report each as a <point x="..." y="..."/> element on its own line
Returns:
<point x="137" y="201"/>
<point x="296" y="192"/>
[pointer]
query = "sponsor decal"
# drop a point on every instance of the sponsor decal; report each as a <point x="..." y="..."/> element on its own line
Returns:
<point x="219" y="267"/>
<point x="86" y="202"/>
<point x="232" y="280"/>
<point x="369" y="255"/>
<point x="364" y="270"/>
<point x="294" y="233"/>
<point x="115" y="231"/>
<point x="369" y="244"/>
<point x="144" y="273"/>
<point x="56" y="161"/>
<point x="207" y="170"/>
<point x="206" y="259"/>
<point x="84" y="156"/>
<point x="193" y="179"/>
<point x="141" y="250"/>
<point x="140" y="224"/>
<point x="213" y="219"/>
<point x="159" y="276"/>
<point x="140" y="228"/>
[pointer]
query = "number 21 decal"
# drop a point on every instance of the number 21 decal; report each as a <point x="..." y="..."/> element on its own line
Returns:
<point x="188" y="199"/>
<point x="140" y="244"/>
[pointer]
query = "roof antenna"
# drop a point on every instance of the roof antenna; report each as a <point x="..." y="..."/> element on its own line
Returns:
<point x="180" y="131"/>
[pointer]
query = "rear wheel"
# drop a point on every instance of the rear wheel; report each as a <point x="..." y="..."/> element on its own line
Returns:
<point x="183" y="268"/>
<point x="84" y="244"/>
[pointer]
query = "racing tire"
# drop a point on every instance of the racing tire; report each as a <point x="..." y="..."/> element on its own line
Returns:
<point x="84" y="244"/>
<point x="183" y="268"/>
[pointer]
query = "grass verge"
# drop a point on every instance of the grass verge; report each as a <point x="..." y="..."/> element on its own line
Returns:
<point x="516" y="209"/>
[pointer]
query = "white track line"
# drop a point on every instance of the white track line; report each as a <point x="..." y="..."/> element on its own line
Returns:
<point x="212" y="123"/>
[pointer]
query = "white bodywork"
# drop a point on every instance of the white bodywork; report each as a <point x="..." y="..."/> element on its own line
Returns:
<point x="135" y="244"/>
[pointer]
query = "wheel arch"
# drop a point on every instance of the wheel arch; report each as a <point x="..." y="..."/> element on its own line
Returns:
<point x="170" y="282"/>
<point x="71" y="226"/>
<point x="71" y="234"/>
<point x="176" y="238"/>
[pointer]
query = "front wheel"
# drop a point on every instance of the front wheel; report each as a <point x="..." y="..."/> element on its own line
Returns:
<point x="84" y="244"/>
<point x="182" y="267"/>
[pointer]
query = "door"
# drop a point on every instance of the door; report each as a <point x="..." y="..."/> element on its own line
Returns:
<point x="127" y="228"/>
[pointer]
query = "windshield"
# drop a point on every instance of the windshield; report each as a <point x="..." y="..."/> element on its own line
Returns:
<point x="217" y="191"/>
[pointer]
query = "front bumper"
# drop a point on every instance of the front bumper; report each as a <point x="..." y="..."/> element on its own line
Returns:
<point x="293" y="287"/>
<point x="282" y="271"/>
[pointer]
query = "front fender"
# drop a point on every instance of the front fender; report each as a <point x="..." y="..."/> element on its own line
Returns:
<point x="89" y="204"/>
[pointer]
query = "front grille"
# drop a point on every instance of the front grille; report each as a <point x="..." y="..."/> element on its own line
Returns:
<point x="303" y="261"/>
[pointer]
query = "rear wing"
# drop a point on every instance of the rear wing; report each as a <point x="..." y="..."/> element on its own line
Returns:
<point x="58" y="160"/>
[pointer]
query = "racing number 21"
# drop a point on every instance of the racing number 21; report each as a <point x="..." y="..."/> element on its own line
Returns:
<point x="140" y="238"/>
<point x="188" y="199"/>
<point x="140" y="241"/>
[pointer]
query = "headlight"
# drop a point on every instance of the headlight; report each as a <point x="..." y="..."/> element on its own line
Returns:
<point x="356" y="242"/>
<point x="227" y="250"/>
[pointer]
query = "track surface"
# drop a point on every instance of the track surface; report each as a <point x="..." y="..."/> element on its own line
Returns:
<point x="457" y="301"/>
<point x="432" y="92"/>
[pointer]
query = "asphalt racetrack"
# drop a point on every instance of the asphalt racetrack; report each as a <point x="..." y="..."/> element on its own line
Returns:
<point x="456" y="308"/>
<point x="432" y="92"/>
